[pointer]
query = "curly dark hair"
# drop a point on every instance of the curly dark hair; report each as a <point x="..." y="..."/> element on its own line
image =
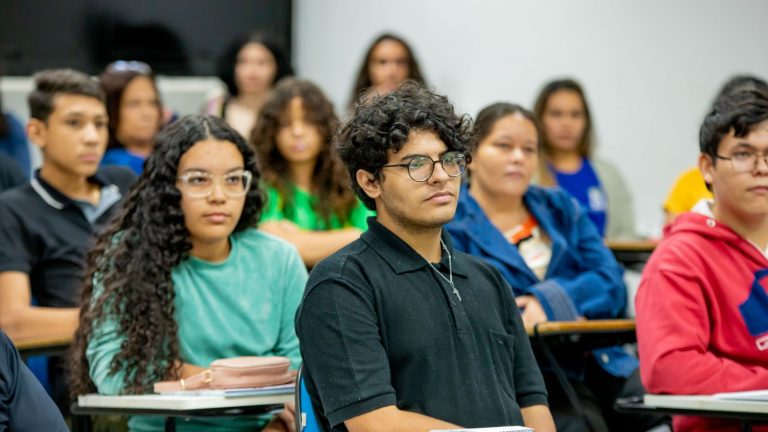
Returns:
<point x="363" y="80"/>
<point x="385" y="122"/>
<point x="329" y="179"/>
<point x="129" y="270"/>
<point x="739" y="111"/>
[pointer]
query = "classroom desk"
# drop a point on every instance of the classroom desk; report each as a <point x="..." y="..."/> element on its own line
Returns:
<point x="566" y="339"/>
<point x="588" y="334"/>
<point x="634" y="253"/>
<point x="173" y="406"/>
<point x="747" y="412"/>
<point x="42" y="346"/>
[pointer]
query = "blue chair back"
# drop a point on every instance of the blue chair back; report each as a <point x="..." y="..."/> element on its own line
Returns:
<point x="305" y="414"/>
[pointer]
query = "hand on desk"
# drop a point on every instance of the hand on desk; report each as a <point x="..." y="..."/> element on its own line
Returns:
<point x="532" y="312"/>
<point x="283" y="421"/>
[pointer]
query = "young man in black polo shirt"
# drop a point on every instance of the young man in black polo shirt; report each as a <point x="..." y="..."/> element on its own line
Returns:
<point x="47" y="225"/>
<point x="398" y="332"/>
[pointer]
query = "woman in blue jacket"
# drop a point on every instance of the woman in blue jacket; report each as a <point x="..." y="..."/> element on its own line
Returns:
<point x="551" y="254"/>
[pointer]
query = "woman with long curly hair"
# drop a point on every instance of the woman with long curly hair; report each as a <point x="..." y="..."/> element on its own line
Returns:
<point x="309" y="200"/>
<point x="182" y="278"/>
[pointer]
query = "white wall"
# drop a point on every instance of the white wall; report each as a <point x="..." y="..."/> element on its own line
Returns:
<point x="650" y="68"/>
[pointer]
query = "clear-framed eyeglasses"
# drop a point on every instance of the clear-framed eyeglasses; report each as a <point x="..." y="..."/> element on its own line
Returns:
<point x="421" y="167"/>
<point x="200" y="184"/>
<point x="745" y="161"/>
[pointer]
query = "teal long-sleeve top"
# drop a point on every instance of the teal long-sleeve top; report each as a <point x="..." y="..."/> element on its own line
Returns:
<point x="242" y="306"/>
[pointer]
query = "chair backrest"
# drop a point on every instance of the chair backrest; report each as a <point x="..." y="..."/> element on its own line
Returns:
<point x="305" y="414"/>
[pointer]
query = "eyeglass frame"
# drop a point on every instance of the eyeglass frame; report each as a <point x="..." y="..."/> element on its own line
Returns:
<point x="184" y="179"/>
<point x="756" y="155"/>
<point x="407" y="165"/>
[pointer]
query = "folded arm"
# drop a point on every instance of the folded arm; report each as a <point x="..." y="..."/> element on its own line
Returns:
<point x="20" y="320"/>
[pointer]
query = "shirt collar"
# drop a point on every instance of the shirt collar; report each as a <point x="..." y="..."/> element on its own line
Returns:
<point x="400" y="256"/>
<point x="52" y="196"/>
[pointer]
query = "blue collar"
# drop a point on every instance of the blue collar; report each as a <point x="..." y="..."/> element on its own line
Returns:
<point x="476" y="224"/>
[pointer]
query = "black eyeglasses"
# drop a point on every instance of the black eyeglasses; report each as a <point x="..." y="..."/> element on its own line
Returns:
<point x="421" y="167"/>
<point x="129" y="66"/>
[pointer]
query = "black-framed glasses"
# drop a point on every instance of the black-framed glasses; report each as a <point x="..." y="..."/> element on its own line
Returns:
<point x="421" y="167"/>
<point x="129" y="66"/>
<point x="200" y="184"/>
<point x="745" y="161"/>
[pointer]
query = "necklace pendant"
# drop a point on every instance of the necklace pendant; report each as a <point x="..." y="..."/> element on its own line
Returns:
<point x="455" y="291"/>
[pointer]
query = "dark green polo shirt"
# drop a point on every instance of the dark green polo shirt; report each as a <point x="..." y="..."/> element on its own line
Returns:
<point x="378" y="327"/>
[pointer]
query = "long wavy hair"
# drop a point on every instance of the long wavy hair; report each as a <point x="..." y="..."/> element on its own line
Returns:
<point x="363" y="80"/>
<point x="129" y="270"/>
<point x="330" y="179"/>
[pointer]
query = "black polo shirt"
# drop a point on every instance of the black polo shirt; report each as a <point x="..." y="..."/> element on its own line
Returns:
<point x="46" y="234"/>
<point x="377" y="327"/>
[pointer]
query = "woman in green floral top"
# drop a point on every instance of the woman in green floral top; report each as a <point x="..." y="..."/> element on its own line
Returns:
<point x="309" y="200"/>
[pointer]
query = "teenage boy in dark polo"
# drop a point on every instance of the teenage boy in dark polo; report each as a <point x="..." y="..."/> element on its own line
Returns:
<point x="398" y="331"/>
<point x="46" y="225"/>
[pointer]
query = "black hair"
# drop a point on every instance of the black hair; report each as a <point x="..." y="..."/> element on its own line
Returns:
<point x="129" y="270"/>
<point x="740" y="82"/>
<point x="385" y="122"/>
<point x="738" y="112"/>
<point x="586" y="145"/>
<point x="113" y="82"/>
<point x="51" y="82"/>
<point x="228" y="60"/>
<point x="488" y="116"/>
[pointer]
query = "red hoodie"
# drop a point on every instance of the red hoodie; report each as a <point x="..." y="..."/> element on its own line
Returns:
<point x="702" y="316"/>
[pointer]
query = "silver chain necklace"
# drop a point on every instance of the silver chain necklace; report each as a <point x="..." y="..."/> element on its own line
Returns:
<point x="448" y="279"/>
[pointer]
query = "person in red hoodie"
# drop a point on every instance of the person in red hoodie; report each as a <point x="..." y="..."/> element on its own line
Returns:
<point x="702" y="304"/>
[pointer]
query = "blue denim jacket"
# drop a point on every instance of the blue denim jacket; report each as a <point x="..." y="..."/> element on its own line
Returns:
<point x="583" y="278"/>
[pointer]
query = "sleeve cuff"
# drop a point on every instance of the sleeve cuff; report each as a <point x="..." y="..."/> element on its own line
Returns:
<point x="555" y="301"/>
<point x="359" y="408"/>
<point x="533" y="399"/>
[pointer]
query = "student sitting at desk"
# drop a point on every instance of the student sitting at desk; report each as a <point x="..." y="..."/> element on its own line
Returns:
<point x="398" y="331"/>
<point x="48" y="224"/>
<point x="702" y="305"/>
<point x="309" y="202"/>
<point x="549" y="251"/>
<point x="182" y="278"/>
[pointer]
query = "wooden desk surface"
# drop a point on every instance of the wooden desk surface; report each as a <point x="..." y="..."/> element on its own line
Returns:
<point x="586" y="326"/>
<point x="632" y="245"/>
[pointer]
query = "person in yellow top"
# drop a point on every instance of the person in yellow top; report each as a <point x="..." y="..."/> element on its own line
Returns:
<point x="688" y="190"/>
<point x="309" y="199"/>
